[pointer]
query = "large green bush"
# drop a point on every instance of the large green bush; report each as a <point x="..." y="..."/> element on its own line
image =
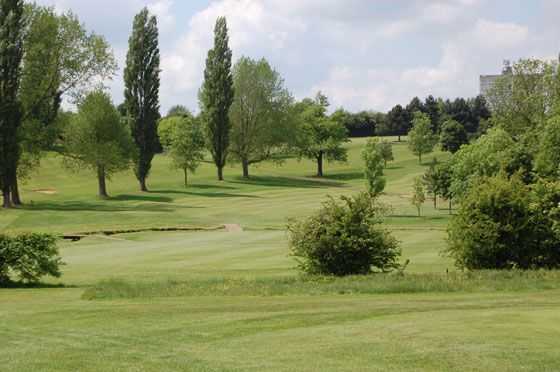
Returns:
<point x="28" y="257"/>
<point x="503" y="224"/>
<point x="344" y="238"/>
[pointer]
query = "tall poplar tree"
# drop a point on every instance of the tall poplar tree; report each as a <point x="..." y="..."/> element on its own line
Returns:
<point x="11" y="54"/>
<point x="216" y="96"/>
<point x="142" y="81"/>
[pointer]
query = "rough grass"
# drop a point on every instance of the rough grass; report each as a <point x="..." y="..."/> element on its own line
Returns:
<point x="484" y="281"/>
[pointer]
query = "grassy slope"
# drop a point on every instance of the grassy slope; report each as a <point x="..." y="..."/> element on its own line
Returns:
<point x="54" y="329"/>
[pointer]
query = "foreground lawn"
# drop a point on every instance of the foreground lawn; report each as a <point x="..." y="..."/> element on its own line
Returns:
<point x="55" y="330"/>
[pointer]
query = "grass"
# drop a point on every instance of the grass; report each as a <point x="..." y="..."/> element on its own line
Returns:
<point x="232" y="301"/>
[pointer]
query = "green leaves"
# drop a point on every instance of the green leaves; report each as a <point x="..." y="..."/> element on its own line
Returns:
<point x="142" y="82"/>
<point x="344" y="238"/>
<point x="29" y="257"/>
<point x="421" y="140"/>
<point x="216" y="96"/>
<point x="374" y="165"/>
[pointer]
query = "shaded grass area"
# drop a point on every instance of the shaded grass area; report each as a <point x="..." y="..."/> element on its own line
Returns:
<point x="489" y="281"/>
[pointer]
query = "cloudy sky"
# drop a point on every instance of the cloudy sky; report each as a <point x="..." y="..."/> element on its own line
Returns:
<point x="364" y="54"/>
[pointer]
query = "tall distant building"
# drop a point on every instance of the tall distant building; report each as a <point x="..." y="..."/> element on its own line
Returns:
<point x="486" y="83"/>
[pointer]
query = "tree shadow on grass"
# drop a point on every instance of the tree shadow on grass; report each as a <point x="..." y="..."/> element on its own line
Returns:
<point x="21" y="285"/>
<point x="274" y="181"/>
<point x="144" y="198"/>
<point x="209" y="194"/>
<point x="101" y="206"/>
<point x="347" y="176"/>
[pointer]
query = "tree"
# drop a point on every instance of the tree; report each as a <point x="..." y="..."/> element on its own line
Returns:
<point x="178" y="110"/>
<point x="421" y="140"/>
<point x="548" y="157"/>
<point x="141" y="77"/>
<point x="360" y="124"/>
<point x="261" y="118"/>
<point x="504" y="224"/>
<point x="28" y="257"/>
<point x="98" y="138"/>
<point x="216" y="96"/>
<point x="432" y="109"/>
<point x="374" y="167"/>
<point x="442" y="182"/>
<point x="430" y="180"/>
<point x="419" y="195"/>
<point x="397" y="122"/>
<point x="11" y="54"/>
<point x="386" y="150"/>
<point x="453" y="136"/>
<point x="183" y="139"/>
<point x="344" y="238"/>
<point x="318" y="136"/>
<point x="485" y="157"/>
<point x="61" y="60"/>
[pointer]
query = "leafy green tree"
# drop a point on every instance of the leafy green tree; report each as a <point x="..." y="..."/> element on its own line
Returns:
<point x="319" y="137"/>
<point x="142" y="81"/>
<point x="453" y="136"/>
<point x="28" y="257"/>
<point x="421" y="140"/>
<point x="442" y="178"/>
<point x="430" y="180"/>
<point x="385" y="148"/>
<point x="178" y="110"/>
<point x="433" y="110"/>
<point x="344" y="238"/>
<point x="483" y="158"/>
<point x="418" y="195"/>
<point x="262" y="124"/>
<point x="183" y="139"/>
<point x="98" y="138"/>
<point x="360" y="124"/>
<point x="374" y="163"/>
<point x="216" y="96"/>
<point x="548" y="157"/>
<point x="11" y="53"/>
<point x="504" y="224"/>
<point x="61" y="60"/>
<point x="397" y="123"/>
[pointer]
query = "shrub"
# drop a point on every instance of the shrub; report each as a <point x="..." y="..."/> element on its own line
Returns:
<point x="344" y="238"/>
<point x="28" y="257"/>
<point x="503" y="224"/>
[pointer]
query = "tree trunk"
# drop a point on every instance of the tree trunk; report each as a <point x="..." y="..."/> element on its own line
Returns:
<point x="420" y="158"/>
<point x="143" y="186"/>
<point x="186" y="177"/>
<point x="245" y="164"/>
<point x="320" y="165"/>
<point x="385" y="164"/>
<point x="101" y="182"/>
<point x="16" y="199"/>
<point x="6" y="197"/>
<point x="220" y="173"/>
<point x="399" y="138"/>
<point x="450" y="206"/>
<point x="435" y="200"/>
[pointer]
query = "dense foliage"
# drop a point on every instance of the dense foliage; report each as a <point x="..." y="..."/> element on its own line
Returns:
<point x="344" y="238"/>
<point x="421" y="139"/>
<point x="503" y="224"/>
<point x="216" y="96"/>
<point x="142" y="81"/>
<point x="183" y="140"/>
<point x="319" y="137"/>
<point x="262" y="124"/>
<point x="98" y="138"/>
<point x="28" y="257"/>
<point x="374" y="165"/>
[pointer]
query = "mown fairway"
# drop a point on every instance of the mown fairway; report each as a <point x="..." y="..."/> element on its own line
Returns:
<point x="216" y="325"/>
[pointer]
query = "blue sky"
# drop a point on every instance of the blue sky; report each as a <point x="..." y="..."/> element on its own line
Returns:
<point x="363" y="54"/>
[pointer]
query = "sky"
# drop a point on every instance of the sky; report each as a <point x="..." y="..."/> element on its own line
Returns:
<point x="363" y="54"/>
